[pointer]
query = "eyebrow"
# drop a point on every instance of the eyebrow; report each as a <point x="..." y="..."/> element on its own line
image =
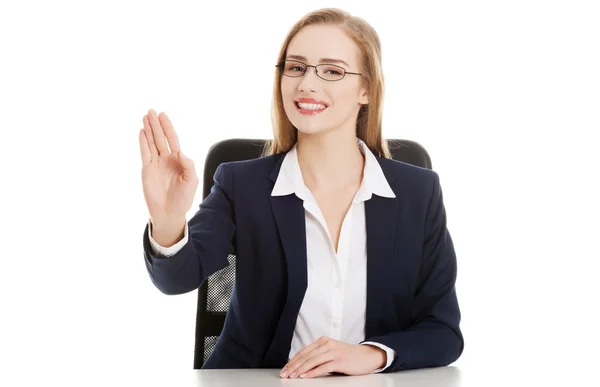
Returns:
<point x="322" y="60"/>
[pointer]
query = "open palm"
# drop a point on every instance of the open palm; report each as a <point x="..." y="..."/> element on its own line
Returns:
<point x="169" y="178"/>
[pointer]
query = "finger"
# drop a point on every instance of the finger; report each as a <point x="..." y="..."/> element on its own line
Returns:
<point x="150" y="138"/>
<point x="144" y="148"/>
<point x="159" y="134"/>
<point x="293" y="364"/>
<point x="322" y="370"/>
<point x="313" y="362"/>
<point x="169" y="132"/>
<point x="294" y="367"/>
<point x="311" y="347"/>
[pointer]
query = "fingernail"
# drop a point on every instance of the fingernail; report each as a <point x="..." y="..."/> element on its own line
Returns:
<point x="302" y="376"/>
<point x="283" y="374"/>
<point x="293" y="375"/>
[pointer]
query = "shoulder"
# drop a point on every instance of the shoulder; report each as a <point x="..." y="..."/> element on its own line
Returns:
<point x="252" y="169"/>
<point x="400" y="170"/>
<point x="407" y="178"/>
<point x="256" y="165"/>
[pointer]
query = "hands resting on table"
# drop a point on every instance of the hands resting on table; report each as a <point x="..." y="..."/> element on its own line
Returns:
<point x="328" y="355"/>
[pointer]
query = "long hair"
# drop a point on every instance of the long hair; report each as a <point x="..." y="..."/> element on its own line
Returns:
<point x="368" y="123"/>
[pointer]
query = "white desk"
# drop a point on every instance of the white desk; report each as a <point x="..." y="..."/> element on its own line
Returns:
<point x="438" y="377"/>
<point x="432" y="377"/>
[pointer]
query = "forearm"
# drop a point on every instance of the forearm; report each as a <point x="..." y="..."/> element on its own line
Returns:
<point x="433" y="342"/>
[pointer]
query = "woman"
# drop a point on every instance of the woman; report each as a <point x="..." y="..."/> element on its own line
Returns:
<point x="344" y="262"/>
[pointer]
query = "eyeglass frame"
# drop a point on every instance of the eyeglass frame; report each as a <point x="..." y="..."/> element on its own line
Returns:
<point x="280" y="64"/>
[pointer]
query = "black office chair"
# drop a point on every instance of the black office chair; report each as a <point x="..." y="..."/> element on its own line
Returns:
<point x="215" y="293"/>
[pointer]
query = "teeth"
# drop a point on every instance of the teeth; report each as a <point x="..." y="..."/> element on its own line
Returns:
<point x="311" y="106"/>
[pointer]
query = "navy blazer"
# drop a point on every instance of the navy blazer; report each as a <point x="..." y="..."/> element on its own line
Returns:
<point x="411" y="266"/>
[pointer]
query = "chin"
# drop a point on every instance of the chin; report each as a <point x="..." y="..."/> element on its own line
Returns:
<point x="304" y="129"/>
<point x="308" y="125"/>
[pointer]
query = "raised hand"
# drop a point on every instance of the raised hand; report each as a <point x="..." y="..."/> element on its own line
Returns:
<point x="169" y="178"/>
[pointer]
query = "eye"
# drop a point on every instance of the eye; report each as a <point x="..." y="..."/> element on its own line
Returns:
<point x="333" y="72"/>
<point x="296" y="68"/>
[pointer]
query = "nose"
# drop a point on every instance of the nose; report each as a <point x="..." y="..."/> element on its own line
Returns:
<point x="308" y="80"/>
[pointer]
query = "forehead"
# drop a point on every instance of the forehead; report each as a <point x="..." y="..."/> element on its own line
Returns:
<point x="324" y="41"/>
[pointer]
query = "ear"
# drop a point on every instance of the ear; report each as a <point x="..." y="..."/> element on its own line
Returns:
<point x="363" y="99"/>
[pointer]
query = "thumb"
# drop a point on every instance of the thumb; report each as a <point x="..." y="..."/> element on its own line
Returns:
<point x="186" y="163"/>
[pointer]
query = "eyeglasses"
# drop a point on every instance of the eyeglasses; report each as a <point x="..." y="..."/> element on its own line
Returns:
<point x="328" y="72"/>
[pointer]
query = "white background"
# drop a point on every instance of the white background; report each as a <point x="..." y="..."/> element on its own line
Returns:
<point x="504" y="95"/>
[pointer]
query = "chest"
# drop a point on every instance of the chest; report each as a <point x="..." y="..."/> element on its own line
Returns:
<point x="334" y="207"/>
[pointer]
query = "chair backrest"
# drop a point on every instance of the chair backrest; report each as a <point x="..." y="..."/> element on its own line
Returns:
<point x="215" y="293"/>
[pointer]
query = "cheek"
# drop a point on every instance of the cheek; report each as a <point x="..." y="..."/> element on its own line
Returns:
<point x="345" y="100"/>
<point x="287" y="95"/>
<point x="287" y="90"/>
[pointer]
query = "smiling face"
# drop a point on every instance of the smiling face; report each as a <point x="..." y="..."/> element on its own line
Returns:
<point x="329" y="105"/>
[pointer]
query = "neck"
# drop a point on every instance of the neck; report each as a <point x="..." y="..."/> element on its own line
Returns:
<point x="330" y="160"/>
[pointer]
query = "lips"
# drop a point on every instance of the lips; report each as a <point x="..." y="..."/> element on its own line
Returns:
<point x="311" y="100"/>
<point x="309" y="108"/>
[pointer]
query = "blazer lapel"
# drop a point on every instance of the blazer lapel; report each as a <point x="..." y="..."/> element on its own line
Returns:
<point x="381" y="218"/>
<point x="288" y="212"/>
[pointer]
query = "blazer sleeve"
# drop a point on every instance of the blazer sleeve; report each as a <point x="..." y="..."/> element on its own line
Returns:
<point x="211" y="234"/>
<point x="434" y="337"/>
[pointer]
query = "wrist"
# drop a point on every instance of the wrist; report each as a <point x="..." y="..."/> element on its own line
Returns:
<point x="378" y="355"/>
<point x="167" y="224"/>
<point x="168" y="232"/>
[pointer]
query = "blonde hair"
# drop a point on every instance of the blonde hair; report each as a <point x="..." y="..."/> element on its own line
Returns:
<point x="368" y="123"/>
